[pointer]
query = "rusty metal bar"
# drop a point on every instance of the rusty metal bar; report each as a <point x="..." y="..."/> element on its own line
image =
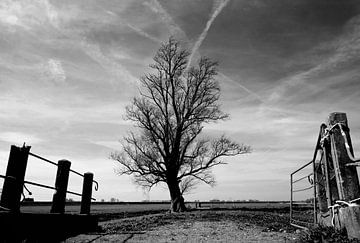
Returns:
<point x="303" y="177"/>
<point x="300" y="222"/>
<point x="300" y="211"/>
<point x="299" y="226"/>
<point x="291" y="195"/>
<point x="42" y="158"/>
<point x="300" y="203"/>
<point x="73" y="171"/>
<point x="51" y="187"/>
<point x="317" y="147"/>
<point x="48" y="187"/>
<point x="95" y="182"/>
<point x="327" y="177"/>
<point x="303" y="189"/>
<point x="302" y="167"/>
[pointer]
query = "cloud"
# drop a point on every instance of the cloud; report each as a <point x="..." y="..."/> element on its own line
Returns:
<point x="143" y="33"/>
<point x="175" y="30"/>
<point x="27" y="13"/>
<point x="346" y="48"/>
<point x="85" y="46"/>
<point x="54" y="71"/>
<point x="227" y="79"/>
<point x="136" y="29"/>
<point x="113" y="145"/>
<point x="218" y="7"/>
<point x="113" y="67"/>
<point x="18" y="138"/>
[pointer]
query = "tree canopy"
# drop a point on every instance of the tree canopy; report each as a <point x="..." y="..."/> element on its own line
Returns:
<point x="171" y="110"/>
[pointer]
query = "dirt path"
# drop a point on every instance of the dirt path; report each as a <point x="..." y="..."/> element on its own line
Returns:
<point x="229" y="226"/>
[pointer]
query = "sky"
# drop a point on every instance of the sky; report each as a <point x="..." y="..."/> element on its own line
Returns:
<point x="69" y="68"/>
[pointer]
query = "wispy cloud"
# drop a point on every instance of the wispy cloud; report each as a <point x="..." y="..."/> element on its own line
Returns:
<point x="19" y="138"/>
<point x="143" y="33"/>
<point x="27" y="13"/>
<point x="347" y="48"/>
<point x="218" y="6"/>
<point x="136" y="29"/>
<point x="78" y="37"/>
<point x="174" y="29"/>
<point x="237" y="83"/>
<point x="93" y="52"/>
<point x="54" y="71"/>
<point x="112" y="66"/>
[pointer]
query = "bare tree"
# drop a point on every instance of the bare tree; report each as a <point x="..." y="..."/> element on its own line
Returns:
<point x="173" y="105"/>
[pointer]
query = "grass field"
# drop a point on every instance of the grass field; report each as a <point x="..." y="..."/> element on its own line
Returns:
<point x="197" y="226"/>
<point x="107" y="210"/>
<point x="144" y="221"/>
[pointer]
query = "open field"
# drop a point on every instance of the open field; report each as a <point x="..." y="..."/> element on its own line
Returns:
<point x="106" y="210"/>
<point x="213" y="221"/>
<point x="197" y="226"/>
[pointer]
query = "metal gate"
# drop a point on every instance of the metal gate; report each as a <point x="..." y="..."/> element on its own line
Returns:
<point x="302" y="199"/>
<point x="303" y="183"/>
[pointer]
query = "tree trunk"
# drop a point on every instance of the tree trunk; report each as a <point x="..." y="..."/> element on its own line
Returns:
<point x="177" y="200"/>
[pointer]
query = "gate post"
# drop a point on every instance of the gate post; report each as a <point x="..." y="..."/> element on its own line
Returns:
<point x="86" y="193"/>
<point x="319" y="182"/>
<point x="14" y="181"/>
<point x="61" y="183"/>
<point x="346" y="176"/>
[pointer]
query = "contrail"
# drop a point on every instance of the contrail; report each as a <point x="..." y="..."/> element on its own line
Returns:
<point x="143" y="33"/>
<point x="113" y="67"/>
<point x="218" y="8"/>
<point x="241" y="86"/>
<point x="175" y="30"/>
<point x="137" y="30"/>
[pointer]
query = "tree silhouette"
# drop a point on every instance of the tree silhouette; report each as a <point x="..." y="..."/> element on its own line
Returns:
<point x="170" y="112"/>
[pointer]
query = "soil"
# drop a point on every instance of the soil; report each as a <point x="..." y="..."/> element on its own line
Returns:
<point x="196" y="226"/>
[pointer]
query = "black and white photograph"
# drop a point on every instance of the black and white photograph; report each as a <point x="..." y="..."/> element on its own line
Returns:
<point x="179" y="121"/>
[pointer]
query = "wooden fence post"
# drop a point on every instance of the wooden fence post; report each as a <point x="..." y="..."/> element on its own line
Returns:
<point x="61" y="183"/>
<point x="346" y="176"/>
<point x="15" y="174"/>
<point x="86" y="193"/>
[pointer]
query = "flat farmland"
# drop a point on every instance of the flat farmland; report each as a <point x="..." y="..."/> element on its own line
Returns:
<point x="108" y="211"/>
<point x="151" y="222"/>
<point x="105" y="211"/>
<point x="196" y="226"/>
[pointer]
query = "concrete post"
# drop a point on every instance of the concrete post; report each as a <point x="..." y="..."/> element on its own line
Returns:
<point x="61" y="183"/>
<point x="15" y="174"/>
<point x="86" y="193"/>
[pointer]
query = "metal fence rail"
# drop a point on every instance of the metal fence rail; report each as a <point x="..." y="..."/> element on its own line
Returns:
<point x="71" y="170"/>
<point x="40" y="185"/>
<point x="295" y="206"/>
